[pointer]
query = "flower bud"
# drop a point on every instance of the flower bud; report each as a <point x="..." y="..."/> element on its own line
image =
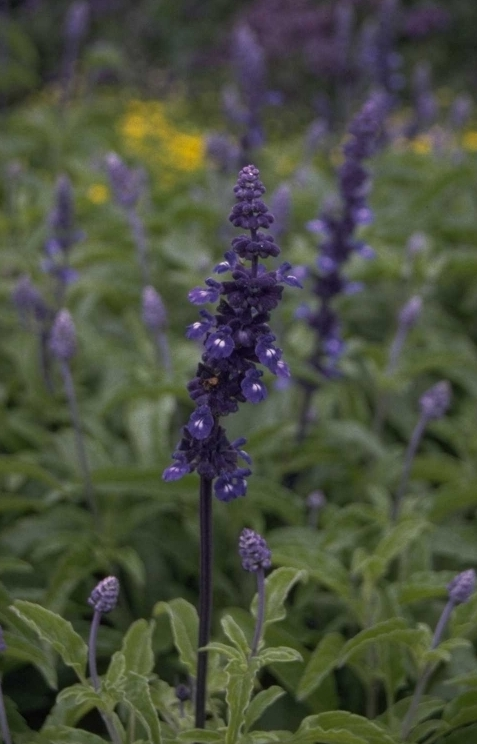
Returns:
<point x="104" y="596"/>
<point x="254" y="551"/>
<point x="462" y="586"/>
<point x="435" y="401"/>
<point x="63" y="337"/>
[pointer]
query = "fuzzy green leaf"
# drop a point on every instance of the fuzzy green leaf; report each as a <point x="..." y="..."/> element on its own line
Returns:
<point x="57" y="632"/>
<point x="323" y="660"/>
<point x="262" y="700"/>
<point x="277" y="588"/>
<point x="185" y="629"/>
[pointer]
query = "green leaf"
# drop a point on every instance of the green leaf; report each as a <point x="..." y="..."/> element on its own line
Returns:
<point x="138" y="696"/>
<point x="323" y="660"/>
<point x="234" y="633"/>
<point x="343" y="724"/>
<point x="239" y="690"/>
<point x="115" y="677"/>
<point x="137" y="648"/>
<point x="462" y="710"/>
<point x="201" y="736"/>
<point x="387" y="630"/>
<point x="11" y="465"/>
<point x="24" y="650"/>
<point x="262" y="700"/>
<point x="228" y="651"/>
<point x="67" y="735"/>
<point x="277" y="587"/>
<point x="57" y="632"/>
<point x="185" y="629"/>
<point x="319" y="565"/>
<point x="399" y="538"/>
<point x="279" y="654"/>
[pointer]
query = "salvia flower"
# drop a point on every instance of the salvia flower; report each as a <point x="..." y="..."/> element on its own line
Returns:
<point x="250" y="71"/>
<point x="63" y="337"/>
<point x="253" y="551"/>
<point x="237" y="338"/>
<point x="3" y="645"/>
<point x="127" y="184"/>
<point x="337" y="226"/>
<point x="104" y="596"/>
<point x="63" y="236"/>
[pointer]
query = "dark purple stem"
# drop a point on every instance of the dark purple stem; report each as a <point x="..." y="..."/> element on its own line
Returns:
<point x="79" y="440"/>
<point x="205" y="596"/>
<point x="260" y="610"/>
<point x="428" y="669"/>
<point x="3" y="720"/>
<point x="93" y="637"/>
<point x="408" y="460"/>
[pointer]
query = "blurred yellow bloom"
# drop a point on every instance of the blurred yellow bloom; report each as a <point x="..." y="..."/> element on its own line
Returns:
<point x="98" y="193"/>
<point x="150" y="134"/>
<point x="421" y="145"/>
<point x="469" y="141"/>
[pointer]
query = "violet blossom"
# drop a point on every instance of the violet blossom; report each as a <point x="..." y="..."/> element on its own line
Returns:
<point x="63" y="236"/>
<point x="237" y="340"/>
<point x="338" y="230"/>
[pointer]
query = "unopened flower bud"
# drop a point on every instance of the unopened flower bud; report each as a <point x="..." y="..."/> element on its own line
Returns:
<point x="63" y="337"/>
<point x="104" y="596"/>
<point x="462" y="587"/>
<point x="411" y="311"/>
<point x="153" y="311"/>
<point x="254" y="551"/>
<point x="183" y="693"/>
<point x="435" y="401"/>
<point x="316" y="500"/>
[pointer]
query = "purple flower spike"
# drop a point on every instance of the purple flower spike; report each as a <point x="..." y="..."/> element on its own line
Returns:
<point x="236" y="339"/>
<point x="63" y="337"/>
<point x="3" y="645"/>
<point x="127" y="184"/>
<point x="104" y="596"/>
<point x="462" y="586"/>
<point x="254" y="551"/>
<point x="410" y="313"/>
<point x="435" y="401"/>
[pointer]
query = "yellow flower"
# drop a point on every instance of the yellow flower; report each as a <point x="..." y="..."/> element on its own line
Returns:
<point x="421" y="145"/>
<point x="98" y="193"/>
<point x="469" y="141"/>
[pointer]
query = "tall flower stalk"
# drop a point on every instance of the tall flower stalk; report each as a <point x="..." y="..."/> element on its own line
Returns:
<point x="63" y="348"/>
<point x="103" y="599"/>
<point x="237" y="339"/>
<point x="256" y="557"/>
<point x="433" y="405"/>
<point x="338" y="226"/>
<point x="459" y="591"/>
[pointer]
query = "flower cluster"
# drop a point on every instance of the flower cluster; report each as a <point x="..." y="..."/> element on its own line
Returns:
<point x="236" y="339"/>
<point x="338" y="231"/>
